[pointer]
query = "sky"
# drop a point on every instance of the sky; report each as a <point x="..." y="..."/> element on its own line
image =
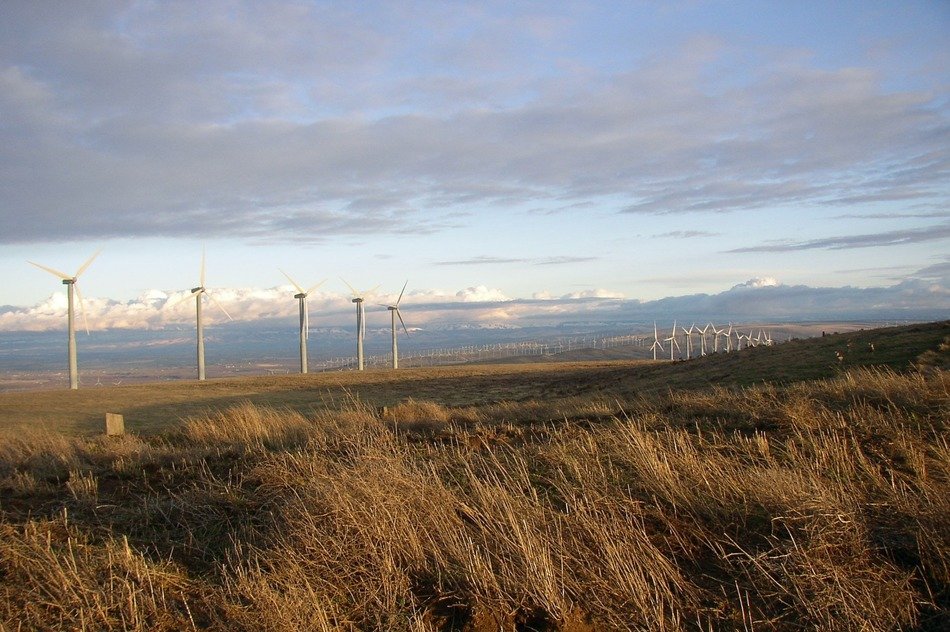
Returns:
<point x="548" y="155"/>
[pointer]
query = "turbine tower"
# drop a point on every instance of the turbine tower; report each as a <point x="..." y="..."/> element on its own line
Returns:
<point x="689" y="340"/>
<point x="672" y="341"/>
<point x="72" y="288"/>
<point x="656" y="341"/>
<point x="394" y="313"/>
<point x="301" y="296"/>
<point x="197" y="292"/>
<point x="702" y="338"/>
<point x="717" y="333"/>
<point x="358" y="298"/>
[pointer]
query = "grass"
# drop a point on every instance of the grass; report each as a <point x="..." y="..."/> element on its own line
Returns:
<point x="153" y="408"/>
<point x="592" y="502"/>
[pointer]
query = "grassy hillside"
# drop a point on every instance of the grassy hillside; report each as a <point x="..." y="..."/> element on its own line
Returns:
<point x="155" y="407"/>
<point x="554" y="497"/>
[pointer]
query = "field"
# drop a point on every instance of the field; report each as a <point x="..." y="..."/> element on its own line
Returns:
<point x="776" y="488"/>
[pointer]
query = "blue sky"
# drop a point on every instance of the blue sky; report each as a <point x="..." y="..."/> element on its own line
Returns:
<point x="489" y="150"/>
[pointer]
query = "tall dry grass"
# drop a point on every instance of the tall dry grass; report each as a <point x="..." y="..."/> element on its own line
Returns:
<point x="816" y="506"/>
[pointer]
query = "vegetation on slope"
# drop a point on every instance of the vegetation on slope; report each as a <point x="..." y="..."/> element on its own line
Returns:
<point x="153" y="408"/>
<point x="809" y="505"/>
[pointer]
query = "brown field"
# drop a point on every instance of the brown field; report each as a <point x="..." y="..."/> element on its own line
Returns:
<point x="776" y="488"/>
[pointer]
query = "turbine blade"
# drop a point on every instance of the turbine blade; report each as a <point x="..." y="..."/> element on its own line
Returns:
<point x="82" y="308"/>
<point x="88" y="263"/>
<point x="180" y="300"/>
<point x="201" y="277"/>
<point x="306" y="322"/>
<point x="314" y="287"/>
<point x="402" y="292"/>
<point x="371" y="292"/>
<point x="352" y="289"/>
<point x="295" y="284"/>
<point x="403" y="323"/>
<point x="56" y="273"/>
<point x="220" y="306"/>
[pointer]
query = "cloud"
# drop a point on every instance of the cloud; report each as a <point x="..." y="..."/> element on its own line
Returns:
<point x="757" y="283"/>
<point x="889" y="238"/>
<point x="923" y="295"/>
<point x="596" y="293"/>
<point x="480" y="294"/>
<point x="896" y="215"/>
<point x="303" y="121"/>
<point x="686" y="234"/>
<point x="474" y="261"/>
<point x="543" y="261"/>
<point x="563" y="260"/>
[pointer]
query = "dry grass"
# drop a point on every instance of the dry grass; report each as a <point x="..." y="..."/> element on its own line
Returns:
<point x="817" y="505"/>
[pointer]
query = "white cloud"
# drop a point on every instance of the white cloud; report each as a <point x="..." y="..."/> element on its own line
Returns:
<point x="596" y="293"/>
<point x="924" y="295"/>
<point x="481" y="294"/>
<point x="758" y="282"/>
<point x="191" y="119"/>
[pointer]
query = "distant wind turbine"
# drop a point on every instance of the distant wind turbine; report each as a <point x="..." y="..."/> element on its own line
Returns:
<point x="716" y="334"/>
<point x="301" y="296"/>
<point x="197" y="292"/>
<point x="702" y="338"/>
<point x="70" y="281"/>
<point x="358" y="298"/>
<point x="672" y="341"/>
<point x="656" y="341"/>
<point x="689" y="340"/>
<point x="394" y="313"/>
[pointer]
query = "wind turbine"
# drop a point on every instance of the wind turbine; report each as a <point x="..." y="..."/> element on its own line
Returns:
<point x="729" y="339"/>
<point x="301" y="296"/>
<point x="689" y="340"/>
<point x="197" y="292"/>
<point x="702" y="338"/>
<point x="716" y="334"/>
<point x="358" y="298"/>
<point x="394" y="313"/>
<point x="656" y="341"/>
<point x="672" y="341"/>
<point x="739" y="338"/>
<point x="71" y="287"/>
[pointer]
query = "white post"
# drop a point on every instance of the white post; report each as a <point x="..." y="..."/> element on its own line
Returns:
<point x="302" y="298"/>
<point x="359" y="332"/>
<point x="201" y="334"/>
<point x="71" y="325"/>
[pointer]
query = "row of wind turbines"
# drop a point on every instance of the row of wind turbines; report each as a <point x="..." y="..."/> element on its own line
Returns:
<point x="763" y="338"/>
<point x="359" y="299"/>
<point x="72" y="293"/>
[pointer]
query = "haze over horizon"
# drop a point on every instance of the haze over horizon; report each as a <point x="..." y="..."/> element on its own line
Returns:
<point x="517" y="162"/>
